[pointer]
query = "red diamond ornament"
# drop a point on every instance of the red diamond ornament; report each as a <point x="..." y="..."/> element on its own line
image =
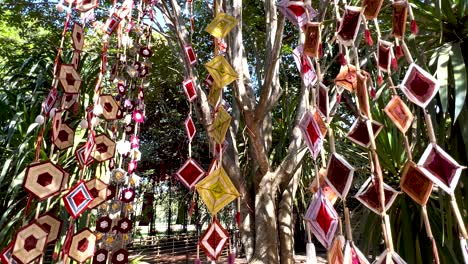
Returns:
<point x="190" y="173"/>
<point x="322" y="219"/>
<point x="339" y="175"/>
<point x="311" y="133"/>
<point x="419" y="86"/>
<point x="190" y="128"/>
<point x="359" y="134"/>
<point x="213" y="241"/>
<point x="440" y="168"/>
<point x="77" y="199"/>
<point x="369" y="196"/>
<point x="189" y="90"/>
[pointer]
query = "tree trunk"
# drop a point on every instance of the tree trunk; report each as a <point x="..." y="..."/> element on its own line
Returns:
<point x="286" y="221"/>
<point x="266" y="239"/>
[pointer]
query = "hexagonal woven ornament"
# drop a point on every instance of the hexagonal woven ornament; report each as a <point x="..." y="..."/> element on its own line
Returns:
<point x="217" y="190"/>
<point x="221" y="71"/>
<point x="69" y="79"/>
<point x="104" y="148"/>
<point x="29" y="243"/>
<point x="52" y="225"/>
<point x="77" y="36"/>
<point x="120" y="256"/>
<point x="44" y="179"/>
<point x="109" y="106"/>
<point x="100" y="256"/>
<point x="213" y="241"/>
<point x="98" y="190"/>
<point x="82" y="245"/>
<point x="103" y="224"/>
<point x="65" y="137"/>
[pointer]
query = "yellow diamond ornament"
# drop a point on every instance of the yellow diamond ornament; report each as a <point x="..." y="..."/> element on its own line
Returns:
<point x="221" y="25"/>
<point x="217" y="130"/>
<point x="217" y="190"/>
<point x="222" y="72"/>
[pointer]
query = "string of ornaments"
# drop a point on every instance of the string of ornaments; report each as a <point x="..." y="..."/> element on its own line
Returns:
<point x="110" y="196"/>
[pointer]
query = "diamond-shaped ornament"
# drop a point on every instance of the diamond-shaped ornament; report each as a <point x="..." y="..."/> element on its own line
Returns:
<point x="190" y="173"/>
<point x="104" y="148"/>
<point x="372" y="8"/>
<point x="52" y="225"/>
<point x="65" y="137"/>
<point x="86" y="5"/>
<point x="221" y="71"/>
<point x="419" y="86"/>
<point x="415" y="183"/>
<point x="359" y="133"/>
<point x="82" y="245"/>
<point x="50" y="101"/>
<point x="213" y="241"/>
<point x="400" y="12"/>
<point x="399" y="113"/>
<point x="69" y="79"/>
<point x="321" y="124"/>
<point x="189" y="89"/>
<point x="80" y="157"/>
<point x="440" y="168"/>
<point x="384" y="55"/>
<point x="352" y="254"/>
<point x="77" y="199"/>
<point x="305" y="66"/>
<point x="29" y="243"/>
<point x="369" y="196"/>
<point x="349" y="25"/>
<point x="322" y="219"/>
<point x="217" y="190"/>
<point x="190" y="128"/>
<point x="77" y="36"/>
<point x="323" y="101"/>
<point x="191" y="56"/>
<point x="217" y="130"/>
<point x="339" y="175"/>
<point x="98" y="190"/>
<point x="311" y="133"/>
<point x="215" y="95"/>
<point x="347" y="78"/>
<point x="386" y="256"/>
<point x="313" y="39"/>
<point x="43" y="180"/>
<point x="221" y="25"/>
<point x="295" y="12"/>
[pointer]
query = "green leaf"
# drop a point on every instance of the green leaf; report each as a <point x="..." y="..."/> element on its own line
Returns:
<point x="442" y="74"/>
<point x="459" y="72"/>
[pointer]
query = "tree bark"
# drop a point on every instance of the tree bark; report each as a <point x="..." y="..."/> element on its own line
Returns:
<point x="266" y="238"/>
<point x="286" y="221"/>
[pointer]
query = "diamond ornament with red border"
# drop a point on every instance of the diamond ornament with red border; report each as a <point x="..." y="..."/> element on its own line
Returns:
<point x="213" y="241"/>
<point x="189" y="90"/>
<point x="77" y="199"/>
<point x="190" y="173"/>
<point x="190" y="128"/>
<point x="311" y="134"/>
